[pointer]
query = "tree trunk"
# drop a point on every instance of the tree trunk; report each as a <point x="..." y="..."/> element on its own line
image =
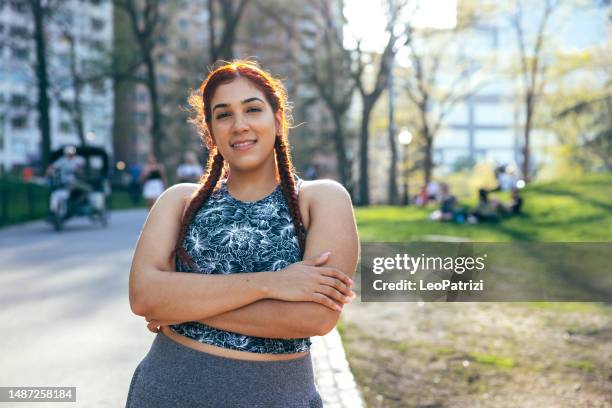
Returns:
<point x="156" y="120"/>
<point x="44" y="121"/>
<point x="526" y="135"/>
<point x="392" y="189"/>
<point x="364" y="192"/>
<point x="428" y="156"/>
<point x="342" y="162"/>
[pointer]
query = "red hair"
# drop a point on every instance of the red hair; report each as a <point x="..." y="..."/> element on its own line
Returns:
<point x="200" y="102"/>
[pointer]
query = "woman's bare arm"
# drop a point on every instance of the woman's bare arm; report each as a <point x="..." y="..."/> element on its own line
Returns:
<point x="160" y="293"/>
<point x="332" y="228"/>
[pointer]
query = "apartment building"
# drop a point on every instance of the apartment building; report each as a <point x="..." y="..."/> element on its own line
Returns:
<point x="90" y="23"/>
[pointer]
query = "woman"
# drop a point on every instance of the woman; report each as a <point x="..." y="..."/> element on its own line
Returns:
<point x="190" y="170"/>
<point x="273" y="256"/>
<point x="154" y="181"/>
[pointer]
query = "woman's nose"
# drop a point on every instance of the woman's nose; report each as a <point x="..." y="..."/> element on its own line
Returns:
<point x="240" y="123"/>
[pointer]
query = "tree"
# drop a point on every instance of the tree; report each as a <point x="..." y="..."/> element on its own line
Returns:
<point x="433" y="57"/>
<point x="370" y="97"/>
<point x="41" y="10"/>
<point x="222" y="47"/>
<point x="532" y="68"/>
<point x="147" y="25"/>
<point x="325" y="69"/>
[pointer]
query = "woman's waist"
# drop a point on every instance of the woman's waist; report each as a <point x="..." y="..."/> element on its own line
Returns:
<point x="228" y="352"/>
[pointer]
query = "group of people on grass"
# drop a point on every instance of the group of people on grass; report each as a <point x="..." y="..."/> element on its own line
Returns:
<point x="487" y="210"/>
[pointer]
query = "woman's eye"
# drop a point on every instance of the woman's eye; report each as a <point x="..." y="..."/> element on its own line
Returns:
<point x="254" y="110"/>
<point x="222" y="115"/>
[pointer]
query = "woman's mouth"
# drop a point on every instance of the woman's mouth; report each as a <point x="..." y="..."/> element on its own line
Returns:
<point x="247" y="144"/>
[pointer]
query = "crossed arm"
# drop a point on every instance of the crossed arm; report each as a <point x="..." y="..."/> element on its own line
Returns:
<point x="332" y="228"/>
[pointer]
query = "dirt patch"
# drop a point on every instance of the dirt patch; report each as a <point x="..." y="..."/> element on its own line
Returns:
<point x="480" y="354"/>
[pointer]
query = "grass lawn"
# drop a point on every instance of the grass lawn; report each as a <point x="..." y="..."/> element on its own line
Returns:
<point x="535" y="354"/>
<point x="572" y="211"/>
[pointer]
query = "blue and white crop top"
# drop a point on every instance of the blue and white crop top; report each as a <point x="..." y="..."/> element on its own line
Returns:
<point x="227" y="236"/>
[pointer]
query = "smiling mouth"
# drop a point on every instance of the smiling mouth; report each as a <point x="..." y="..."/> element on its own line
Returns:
<point x="244" y="145"/>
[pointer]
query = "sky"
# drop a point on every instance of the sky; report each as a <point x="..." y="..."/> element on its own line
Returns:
<point x="366" y="19"/>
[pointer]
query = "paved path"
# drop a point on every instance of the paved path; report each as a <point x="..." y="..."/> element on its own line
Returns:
<point x="333" y="374"/>
<point x="66" y="319"/>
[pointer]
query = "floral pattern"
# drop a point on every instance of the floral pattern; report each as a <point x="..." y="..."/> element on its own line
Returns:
<point x="232" y="236"/>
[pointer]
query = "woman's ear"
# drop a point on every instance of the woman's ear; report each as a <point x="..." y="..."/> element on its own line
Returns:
<point x="210" y="134"/>
<point x="279" y="122"/>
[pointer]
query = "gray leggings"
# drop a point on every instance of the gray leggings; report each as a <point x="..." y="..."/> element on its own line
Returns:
<point x="173" y="375"/>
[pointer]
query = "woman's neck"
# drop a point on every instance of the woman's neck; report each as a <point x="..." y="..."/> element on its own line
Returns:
<point x="254" y="184"/>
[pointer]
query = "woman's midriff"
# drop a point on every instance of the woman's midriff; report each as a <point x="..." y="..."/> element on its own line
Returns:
<point x="229" y="353"/>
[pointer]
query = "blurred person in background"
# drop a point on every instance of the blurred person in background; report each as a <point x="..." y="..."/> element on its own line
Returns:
<point x="153" y="179"/>
<point x="190" y="170"/>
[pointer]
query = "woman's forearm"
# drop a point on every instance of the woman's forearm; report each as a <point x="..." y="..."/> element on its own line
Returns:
<point x="178" y="297"/>
<point x="275" y="319"/>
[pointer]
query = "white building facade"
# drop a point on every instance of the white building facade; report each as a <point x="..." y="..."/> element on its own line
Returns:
<point x="90" y="23"/>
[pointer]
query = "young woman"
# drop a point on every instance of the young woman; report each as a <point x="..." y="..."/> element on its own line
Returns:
<point x="153" y="179"/>
<point x="235" y="273"/>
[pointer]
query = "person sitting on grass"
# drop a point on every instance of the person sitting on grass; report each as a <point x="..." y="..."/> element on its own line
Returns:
<point x="448" y="204"/>
<point x="515" y="207"/>
<point x="486" y="210"/>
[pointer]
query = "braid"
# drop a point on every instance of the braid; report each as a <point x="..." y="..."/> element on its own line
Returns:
<point x="214" y="169"/>
<point x="286" y="171"/>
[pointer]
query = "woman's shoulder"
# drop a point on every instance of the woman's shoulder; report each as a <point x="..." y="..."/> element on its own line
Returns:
<point x="319" y="192"/>
<point x="179" y="195"/>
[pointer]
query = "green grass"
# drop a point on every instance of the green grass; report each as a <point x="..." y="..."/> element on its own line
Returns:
<point x="579" y="210"/>
<point x="497" y="361"/>
<point x="581" y="365"/>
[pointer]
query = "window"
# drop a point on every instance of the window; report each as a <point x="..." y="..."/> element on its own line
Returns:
<point x="64" y="17"/>
<point x="18" y="100"/>
<point x="140" y="118"/>
<point x="493" y="114"/>
<point x="97" y="24"/>
<point x="18" y="6"/>
<point x="98" y="87"/>
<point x="162" y="58"/>
<point x="163" y="79"/>
<point x="97" y="45"/>
<point x="20" y="52"/>
<point x="19" y="122"/>
<point x="19" y="32"/>
<point x="183" y="24"/>
<point x="183" y="44"/>
<point x="65" y="127"/>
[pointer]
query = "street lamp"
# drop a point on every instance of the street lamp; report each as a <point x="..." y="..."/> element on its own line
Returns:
<point x="405" y="138"/>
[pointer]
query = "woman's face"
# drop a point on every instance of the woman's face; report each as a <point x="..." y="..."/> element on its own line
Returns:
<point x="244" y="126"/>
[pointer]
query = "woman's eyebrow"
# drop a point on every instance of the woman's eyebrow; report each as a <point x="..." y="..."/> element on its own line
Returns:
<point x="225" y="105"/>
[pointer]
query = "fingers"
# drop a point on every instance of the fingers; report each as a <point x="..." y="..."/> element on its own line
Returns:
<point x="334" y="294"/>
<point x="153" y="326"/>
<point x="338" y="285"/>
<point x="326" y="301"/>
<point x="319" y="260"/>
<point x="338" y="274"/>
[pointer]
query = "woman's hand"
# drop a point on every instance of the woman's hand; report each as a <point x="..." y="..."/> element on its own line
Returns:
<point x="155" y="326"/>
<point x="309" y="281"/>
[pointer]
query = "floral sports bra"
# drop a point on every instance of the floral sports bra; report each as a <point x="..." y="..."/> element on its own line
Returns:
<point x="232" y="236"/>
